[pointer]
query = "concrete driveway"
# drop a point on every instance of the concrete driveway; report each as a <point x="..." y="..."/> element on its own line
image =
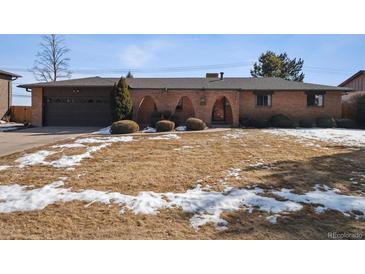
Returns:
<point x="19" y="140"/>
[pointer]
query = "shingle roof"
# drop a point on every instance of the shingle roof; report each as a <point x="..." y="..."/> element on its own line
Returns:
<point x="360" y="72"/>
<point x="192" y="83"/>
<point x="9" y="73"/>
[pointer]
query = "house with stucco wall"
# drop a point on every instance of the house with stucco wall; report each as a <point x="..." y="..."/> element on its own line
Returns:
<point x="216" y="99"/>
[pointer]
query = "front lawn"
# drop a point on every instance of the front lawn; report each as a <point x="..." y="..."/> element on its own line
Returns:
<point x="233" y="184"/>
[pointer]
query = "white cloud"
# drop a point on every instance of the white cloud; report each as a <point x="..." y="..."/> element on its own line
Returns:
<point x="136" y="56"/>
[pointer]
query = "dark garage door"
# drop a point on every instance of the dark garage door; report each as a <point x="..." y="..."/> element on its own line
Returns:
<point x="77" y="107"/>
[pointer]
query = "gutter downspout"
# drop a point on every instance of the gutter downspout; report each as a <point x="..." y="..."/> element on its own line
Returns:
<point x="10" y="89"/>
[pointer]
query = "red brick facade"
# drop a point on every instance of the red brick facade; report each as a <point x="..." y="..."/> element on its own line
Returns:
<point x="204" y="103"/>
<point x="241" y="104"/>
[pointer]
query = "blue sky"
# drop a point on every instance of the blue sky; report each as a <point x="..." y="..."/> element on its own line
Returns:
<point x="328" y="59"/>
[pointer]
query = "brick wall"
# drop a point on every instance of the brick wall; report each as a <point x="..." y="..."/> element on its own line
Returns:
<point x="290" y="103"/>
<point x="37" y="107"/>
<point x="4" y="96"/>
<point x="243" y="104"/>
<point x="201" y="100"/>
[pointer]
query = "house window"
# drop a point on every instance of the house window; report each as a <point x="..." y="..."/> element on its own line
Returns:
<point x="315" y="100"/>
<point x="263" y="100"/>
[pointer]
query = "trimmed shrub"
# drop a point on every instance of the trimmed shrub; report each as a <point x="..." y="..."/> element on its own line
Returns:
<point x="346" y="123"/>
<point x="326" y="122"/>
<point x="307" y="123"/>
<point x="165" y="125"/>
<point x="258" y="123"/>
<point x="244" y="122"/>
<point x="195" y="124"/>
<point x="154" y="118"/>
<point x="281" y="121"/>
<point x="124" y="126"/>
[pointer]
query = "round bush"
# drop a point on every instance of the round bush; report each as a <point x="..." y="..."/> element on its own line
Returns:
<point x="326" y="122"/>
<point x="306" y="123"/>
<point x="346" y="123"/>
<point x="281" y="121"/>
<point x="124" y="126"/>
<point x="195" y="124"/>
<point x="258" y="123"/>
<point x="165" y="125"/>
<point x="244" y="122"/>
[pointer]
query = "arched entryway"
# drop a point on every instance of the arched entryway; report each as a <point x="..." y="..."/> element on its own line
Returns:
<point x="222" y="112"/>
<point x="145" y="109"/>
<point x="184" y="110"/>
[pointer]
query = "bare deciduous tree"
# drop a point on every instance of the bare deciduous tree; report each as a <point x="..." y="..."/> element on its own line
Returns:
<point x="52" y="62"/>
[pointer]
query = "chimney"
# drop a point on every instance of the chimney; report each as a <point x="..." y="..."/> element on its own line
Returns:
<point x="211" y="75"/>
<point x="221" y="75"/>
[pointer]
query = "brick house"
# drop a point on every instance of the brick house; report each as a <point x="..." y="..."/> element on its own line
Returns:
<point x="357" y="83"/>
<point x="6" y="79"/>
<point x="215" y="99"/>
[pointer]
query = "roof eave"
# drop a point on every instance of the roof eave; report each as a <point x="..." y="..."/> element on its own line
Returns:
<point x="352" y="78"/>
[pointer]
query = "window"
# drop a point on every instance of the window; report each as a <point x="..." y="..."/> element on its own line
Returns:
<point x="263" y="100"/>
<point x="315" y="100"/>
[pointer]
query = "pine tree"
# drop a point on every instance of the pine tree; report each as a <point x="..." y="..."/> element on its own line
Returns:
<point x="121" y="102"/>
<point x="278" y="65"/>
<point x="129" y="74"/>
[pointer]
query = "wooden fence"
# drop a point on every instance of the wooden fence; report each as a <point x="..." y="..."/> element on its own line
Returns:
<point x="20" y="114"/>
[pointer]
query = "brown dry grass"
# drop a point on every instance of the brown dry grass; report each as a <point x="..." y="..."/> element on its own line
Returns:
<point x="176" y="165"/>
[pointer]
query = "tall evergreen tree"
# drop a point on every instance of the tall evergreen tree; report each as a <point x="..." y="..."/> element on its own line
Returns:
<point x="121" y="102"/>
<point x="278" y="65"/>
<point x="129" y="74"/>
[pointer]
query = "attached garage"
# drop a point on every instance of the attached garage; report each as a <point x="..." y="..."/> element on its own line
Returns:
<point x="76" y="107"/>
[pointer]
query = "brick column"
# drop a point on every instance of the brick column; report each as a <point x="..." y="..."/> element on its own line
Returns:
<point x="37" y="107"/>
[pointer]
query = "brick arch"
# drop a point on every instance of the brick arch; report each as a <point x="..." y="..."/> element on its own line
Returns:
<point x="184" y="109"/>
<point x="222" y="110"/>
<point x="145" y="108"/>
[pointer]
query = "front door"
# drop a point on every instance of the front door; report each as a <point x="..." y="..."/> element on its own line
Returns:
<point x="219" y="110"/>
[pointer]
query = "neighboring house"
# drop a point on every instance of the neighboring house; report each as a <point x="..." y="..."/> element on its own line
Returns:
<point x="6" y="91"/>
<point x="214" y="99"/>
<point x="357" y="83"/>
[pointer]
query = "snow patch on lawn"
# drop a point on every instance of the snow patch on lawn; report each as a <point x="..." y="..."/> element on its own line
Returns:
<point x="235" y="134"/>
<point x="4" y="167"/>
<point x="68" y="146"/>
<point x="328" y="199"/>
<point x="65" y="161"/>
<point x="165" y="137"/>
<point x="103" y="131"/>
<point x="149" y="130"/>
<point x="39" y="158"/>
<point x="181" y="128"/>
<point x="206" y="206"/>
<point x="36" y="158"/>
<point x="94" y="140"/>
<point x="73" y="160"/>
<point x="347" y="137"/>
